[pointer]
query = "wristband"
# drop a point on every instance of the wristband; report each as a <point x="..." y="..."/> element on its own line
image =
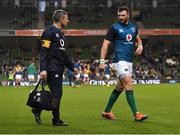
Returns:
<point x="140" y="46"/>
<point x="102" y="61"/>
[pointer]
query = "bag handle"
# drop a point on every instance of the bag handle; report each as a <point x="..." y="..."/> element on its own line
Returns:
<point x="43" y="83"/>
<point x="37" y="85"/>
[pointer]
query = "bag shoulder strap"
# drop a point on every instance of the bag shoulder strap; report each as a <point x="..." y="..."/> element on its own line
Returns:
<point x="37" y="85"/>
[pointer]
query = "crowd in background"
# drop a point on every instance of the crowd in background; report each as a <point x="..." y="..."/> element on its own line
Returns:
<point x="88" y="70"/>
<point x="93" y="14"/>
<point x="158" y="61"/>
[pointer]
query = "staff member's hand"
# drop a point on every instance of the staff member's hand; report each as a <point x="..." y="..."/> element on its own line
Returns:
<point x="43" y="74"/>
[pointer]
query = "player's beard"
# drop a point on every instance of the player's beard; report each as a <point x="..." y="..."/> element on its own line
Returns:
<point x="125" y="21"/>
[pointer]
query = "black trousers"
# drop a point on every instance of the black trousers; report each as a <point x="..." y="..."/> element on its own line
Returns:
<point x="54" y="81"/>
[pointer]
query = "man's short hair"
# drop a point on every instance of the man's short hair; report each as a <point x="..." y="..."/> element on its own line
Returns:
<point x="123" y="8"/>
<point x="59" y="14"/>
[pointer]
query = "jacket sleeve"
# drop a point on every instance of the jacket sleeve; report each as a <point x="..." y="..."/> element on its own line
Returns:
<point x="45" y="44"/>
<point x="43" y="59"/>
<point x="67" y="62"/>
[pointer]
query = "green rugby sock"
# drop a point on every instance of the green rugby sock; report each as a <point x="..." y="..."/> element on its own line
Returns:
<point x="112" y="99"/>
<point x="131" y="101"/>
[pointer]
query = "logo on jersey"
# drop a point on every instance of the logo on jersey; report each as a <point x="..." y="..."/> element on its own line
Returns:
<point x="57" y="35"/>
<point x="128" y="37"/>
<point x="121" y="30"/>
<point x="56" y="75"/>
<point x="126" y="69"/>
<point x="133" y="29"/>
<point x="62" y="42"/>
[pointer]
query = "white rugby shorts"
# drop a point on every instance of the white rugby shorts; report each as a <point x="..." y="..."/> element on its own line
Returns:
<point x="123" y="68"/>
<point x="18" y="77"/>
<point x="86" y="75"/>
<point x="107" y="76"/>
<point x="31" y="77"/>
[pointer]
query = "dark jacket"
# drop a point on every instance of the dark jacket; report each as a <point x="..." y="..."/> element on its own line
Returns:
<point x="53" y="56"/>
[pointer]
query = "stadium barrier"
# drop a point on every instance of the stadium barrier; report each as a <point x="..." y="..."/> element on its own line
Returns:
<point x="87" y="32"/>
<point x="102" y="82"/>
<point x="111" y="82"/>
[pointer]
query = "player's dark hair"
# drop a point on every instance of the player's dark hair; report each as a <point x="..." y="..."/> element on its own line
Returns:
<point x="123" y="8"/>
<point x="59" y="14"/>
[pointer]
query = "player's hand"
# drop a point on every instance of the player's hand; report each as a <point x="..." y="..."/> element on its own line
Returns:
<point x="139" y="51"/>
<point x="43" y="74"/>
<point x="102" y="66"/>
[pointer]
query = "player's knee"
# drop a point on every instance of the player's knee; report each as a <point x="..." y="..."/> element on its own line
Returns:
<point x="119" y="88"/>
<point x="129" y="85"/>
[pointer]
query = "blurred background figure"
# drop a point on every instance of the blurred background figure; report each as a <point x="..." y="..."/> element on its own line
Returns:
<point x="31" y="71"/>
<point x="11" y="77"/>
<point x="18" y="74"/>
<point x="77" y="81"/>
<point x="71" y="77"/>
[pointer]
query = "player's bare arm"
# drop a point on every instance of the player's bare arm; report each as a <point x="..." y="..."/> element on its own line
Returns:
<point x="139" y="45"/>
<point x="104" y="50"/>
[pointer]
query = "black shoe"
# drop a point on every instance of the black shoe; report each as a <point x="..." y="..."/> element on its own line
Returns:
<point x="37" y="118"/>
<point x="58" y="123"/>
<point x="37" y="115"/>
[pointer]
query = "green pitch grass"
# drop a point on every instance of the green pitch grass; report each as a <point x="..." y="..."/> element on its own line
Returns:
<point x="82" y="107"/>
